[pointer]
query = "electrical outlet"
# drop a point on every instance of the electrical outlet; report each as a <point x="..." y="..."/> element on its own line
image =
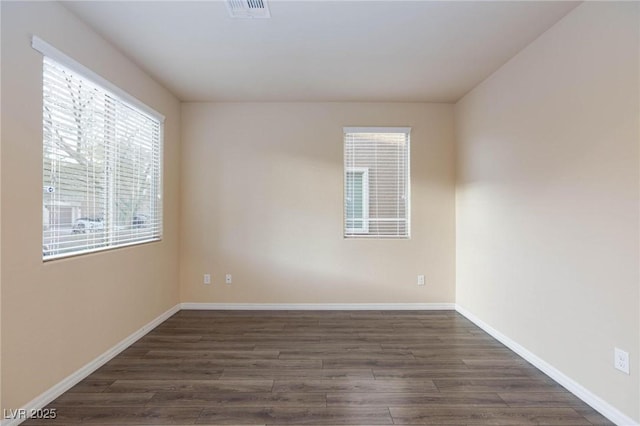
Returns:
<point x="207" y="279"/>
<point x="621" y="360"/>
<point x="420" y="280"/>
<point x="227" y="279"/>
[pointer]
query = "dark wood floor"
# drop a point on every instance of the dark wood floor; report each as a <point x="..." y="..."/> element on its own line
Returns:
<point x="329" y="368"/>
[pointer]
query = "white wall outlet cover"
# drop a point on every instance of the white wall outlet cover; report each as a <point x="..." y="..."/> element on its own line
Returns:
<point x="207" y="278"/>
<point x="227" y="279"/>
<point x="621" y="360"/>
<point x="420" y="279"/>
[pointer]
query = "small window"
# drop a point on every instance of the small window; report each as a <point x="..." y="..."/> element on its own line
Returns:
<point x="101" y="167"/>
<point x="376" y="182"/>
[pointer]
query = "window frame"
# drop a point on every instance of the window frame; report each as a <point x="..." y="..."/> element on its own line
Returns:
<point x="365" y="200"/>
<point x="346" y="232"/>
<point x="128" y="101"/>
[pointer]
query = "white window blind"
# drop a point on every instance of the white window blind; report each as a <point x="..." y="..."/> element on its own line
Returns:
<point x="101" y="167"/>
<point x="376" y="182"/>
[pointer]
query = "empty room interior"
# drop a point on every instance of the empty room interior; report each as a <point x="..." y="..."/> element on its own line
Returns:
<point x="320" y="212"/>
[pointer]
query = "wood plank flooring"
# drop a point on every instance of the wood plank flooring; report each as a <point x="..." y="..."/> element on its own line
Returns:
<point x="318" y="368"/>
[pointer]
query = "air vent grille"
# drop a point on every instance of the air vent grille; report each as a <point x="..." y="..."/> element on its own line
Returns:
<point x="248" y="9"/>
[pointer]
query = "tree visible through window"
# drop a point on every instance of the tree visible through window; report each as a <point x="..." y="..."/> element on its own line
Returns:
<point x="376" y="182"/>
<point x="101" y="167"/>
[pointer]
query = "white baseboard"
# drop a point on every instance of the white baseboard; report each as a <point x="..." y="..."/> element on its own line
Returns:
<point x="45" y="398"/>
<point x="321" y="306"/>
<point x="597" y="403"/>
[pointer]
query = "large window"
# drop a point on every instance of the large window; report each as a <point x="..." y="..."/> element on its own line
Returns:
<point x="101" y="166"/>
<point x="376" y="182"/>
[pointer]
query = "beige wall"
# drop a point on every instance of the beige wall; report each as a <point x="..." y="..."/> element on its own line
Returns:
<point x="547" y="199"/>
<point x="262" y="200"/>
<point x="59" y="315"/>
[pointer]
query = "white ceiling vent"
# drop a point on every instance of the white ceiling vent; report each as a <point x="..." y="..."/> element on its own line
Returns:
<point x="248" y="9"/>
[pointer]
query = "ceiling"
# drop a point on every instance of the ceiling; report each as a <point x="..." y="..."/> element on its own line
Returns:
<point x="417" y="51"/>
